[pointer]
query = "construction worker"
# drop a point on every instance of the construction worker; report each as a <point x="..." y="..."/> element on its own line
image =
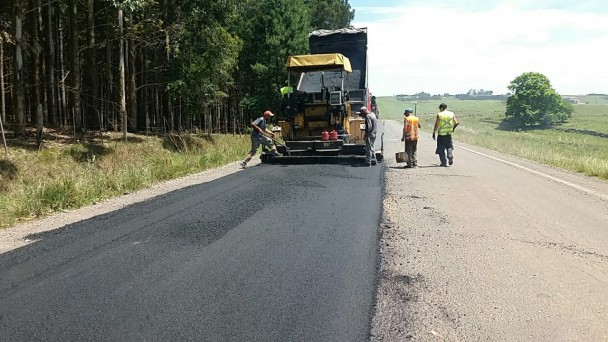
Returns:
<point x="260" y="135"/>
<point x="445" y="124"/>
<point x="411" y="124"/>
<point x="371" y="127"/>
<point x="375" y="108"/>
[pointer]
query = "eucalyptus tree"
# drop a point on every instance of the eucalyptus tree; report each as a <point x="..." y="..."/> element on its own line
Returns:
<point x="128" y="118"/>
<point x="18" y="72"/>
<point x="75" y="75"/>
<point x="271" y="31"/>
<point x="2" y="95"/>
<point x="131" y="64"/>
<point x="330" y="14"/>
<point x="205" y="52"/>
<point x="49" y="62"/>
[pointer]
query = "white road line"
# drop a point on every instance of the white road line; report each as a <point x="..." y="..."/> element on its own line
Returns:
<point x="555" y="179"/>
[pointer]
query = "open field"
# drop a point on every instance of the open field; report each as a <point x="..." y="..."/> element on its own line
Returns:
<point x="62" y="175"/>
<point x="581" y="145"/>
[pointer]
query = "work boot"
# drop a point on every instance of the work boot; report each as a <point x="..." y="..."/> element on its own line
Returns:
<point x="451" y="160"/>
<point x="374" y="162"/>
<point x="243" y="164"/>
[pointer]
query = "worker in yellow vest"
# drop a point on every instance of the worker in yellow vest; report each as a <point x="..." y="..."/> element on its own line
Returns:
<point x="411" y="124"/>
<point x="445" y="124"/>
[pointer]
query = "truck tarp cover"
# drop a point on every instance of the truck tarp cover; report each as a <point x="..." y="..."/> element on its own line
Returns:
<point x="329" y="61"/>
<point x="350" y="42"/>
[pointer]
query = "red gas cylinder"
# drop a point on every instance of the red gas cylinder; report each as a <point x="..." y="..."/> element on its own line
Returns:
<point x="333" y="135"/>
<point x="324" y="135"/>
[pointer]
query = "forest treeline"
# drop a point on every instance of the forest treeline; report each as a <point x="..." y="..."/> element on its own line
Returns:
<point x="151" y="65"/>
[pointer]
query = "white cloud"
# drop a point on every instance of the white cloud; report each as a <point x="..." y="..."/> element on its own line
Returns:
<point x="440" y="50"/>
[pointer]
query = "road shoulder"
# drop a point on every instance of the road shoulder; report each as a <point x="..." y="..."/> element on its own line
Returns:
<point x="16" y="237"/>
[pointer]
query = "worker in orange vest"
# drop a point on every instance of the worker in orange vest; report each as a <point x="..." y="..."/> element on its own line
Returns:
<point x="411" y="124"/>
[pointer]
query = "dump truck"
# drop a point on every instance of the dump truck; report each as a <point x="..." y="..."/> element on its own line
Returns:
<point x="322" y="98"/>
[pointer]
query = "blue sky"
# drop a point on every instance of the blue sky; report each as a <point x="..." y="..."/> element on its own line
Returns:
<point x="452" y="46"/>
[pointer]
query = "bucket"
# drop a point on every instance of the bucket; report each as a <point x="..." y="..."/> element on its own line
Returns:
<point x="333" y="135"/>
<point x="324" y="135"/>
<point x="401" y="157"/>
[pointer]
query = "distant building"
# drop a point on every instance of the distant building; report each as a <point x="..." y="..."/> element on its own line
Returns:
<point x="417" y="97"/>
<point x="573" y="100"/>
<point x="481" y="97"/>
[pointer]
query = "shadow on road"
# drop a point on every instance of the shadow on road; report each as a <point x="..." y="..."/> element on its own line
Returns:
<point x="417" y="167"/>
<point x="286" y="161"/>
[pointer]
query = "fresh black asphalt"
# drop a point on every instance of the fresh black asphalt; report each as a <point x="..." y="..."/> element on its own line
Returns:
<point x="270" y="253"/>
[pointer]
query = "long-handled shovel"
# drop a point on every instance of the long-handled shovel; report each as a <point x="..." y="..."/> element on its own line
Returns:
<point x="274" y="141"/>
<point x="278" y="143"/>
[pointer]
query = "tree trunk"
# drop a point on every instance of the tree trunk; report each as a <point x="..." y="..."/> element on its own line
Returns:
<point x="92" y="112"/>
<point x="75" y="62"/>
<point x="63" y="115"/>
<point x="2" y="98"/>
<point x="110" y="114"/>
<point x="226" y="115"/>
<point x="167" y="103"/>
<point x="35" y="61"/>
<point x="233" y="111"/>
<point x="49" y="66"/>
<point x="121" y="76"/>
<point x="40" y="123"/>
<point x="3" y="137"/>
<point x="179" y="116"/>
<point x="19" y="83"/>
<point x="157" y="109"/>
<point x="145" y="92"/>
<point x="132" y="82"/>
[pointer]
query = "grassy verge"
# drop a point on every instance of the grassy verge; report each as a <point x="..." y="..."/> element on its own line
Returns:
<point x="581" y="145"/>
<point x="34" y="183"/>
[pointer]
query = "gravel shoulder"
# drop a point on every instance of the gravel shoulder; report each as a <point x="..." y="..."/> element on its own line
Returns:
<point x="17" y="236"/>
<point x="489" y="251"/>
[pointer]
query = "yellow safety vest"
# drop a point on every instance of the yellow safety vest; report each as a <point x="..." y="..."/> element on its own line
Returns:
<point x="286" y="90"/>
<point x="446" y="123"/>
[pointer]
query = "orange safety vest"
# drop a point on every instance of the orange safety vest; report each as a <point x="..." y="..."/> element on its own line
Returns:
<point x="410" y="127"/>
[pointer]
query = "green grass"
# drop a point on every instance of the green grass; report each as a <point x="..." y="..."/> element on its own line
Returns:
<point x="580" y="145"/>
<point x="36" y="183"/>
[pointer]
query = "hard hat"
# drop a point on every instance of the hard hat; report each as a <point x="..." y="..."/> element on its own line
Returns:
<point x="268" y="113"/>
<point x="408" y="110"/>
<point x="363" y="110"/>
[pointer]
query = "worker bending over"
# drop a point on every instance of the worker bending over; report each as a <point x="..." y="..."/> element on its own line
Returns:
<point x="260" y="136"/>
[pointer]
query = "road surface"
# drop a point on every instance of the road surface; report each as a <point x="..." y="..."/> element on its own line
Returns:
<point x="270" y="253"/>
<point x="493" y="248"/>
